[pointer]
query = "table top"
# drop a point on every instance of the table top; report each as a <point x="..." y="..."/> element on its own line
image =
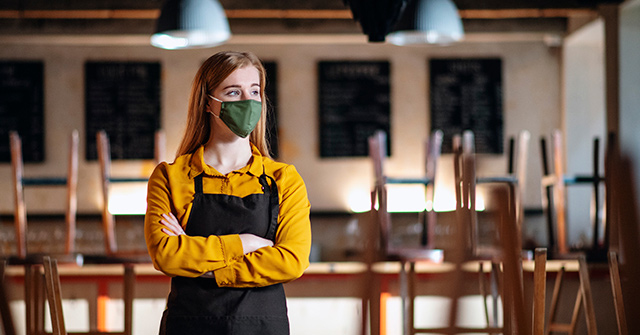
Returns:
<point x="315" y="268"/>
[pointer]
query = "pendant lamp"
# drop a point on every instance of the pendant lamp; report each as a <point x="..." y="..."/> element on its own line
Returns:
<point x="186" y="24"/>
<point x="428" y="22"/>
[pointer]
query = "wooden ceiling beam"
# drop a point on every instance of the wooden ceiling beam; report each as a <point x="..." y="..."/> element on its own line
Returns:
<point x="288" y="14"/>
<point x="524" y="13"/>
<point x="81" y="14"/>
<point x="311" y="14"/>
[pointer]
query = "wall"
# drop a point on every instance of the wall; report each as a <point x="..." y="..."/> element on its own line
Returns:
<point x="630" y="83"/>
<point x="532" y="101"/>
<point x="584" y="105"/>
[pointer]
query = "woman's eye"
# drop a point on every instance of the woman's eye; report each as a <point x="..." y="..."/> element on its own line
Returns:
<point x="233" y="93"/>
<point x="255" y="92"/>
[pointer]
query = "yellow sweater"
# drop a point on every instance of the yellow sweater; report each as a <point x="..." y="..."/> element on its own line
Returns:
<point x="171" y="189"/>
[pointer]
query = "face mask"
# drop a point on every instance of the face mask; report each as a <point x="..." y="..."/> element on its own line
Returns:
<point x="240" y="116"/>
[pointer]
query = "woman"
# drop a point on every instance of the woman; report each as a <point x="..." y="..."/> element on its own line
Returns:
<point x="229" y="224"/>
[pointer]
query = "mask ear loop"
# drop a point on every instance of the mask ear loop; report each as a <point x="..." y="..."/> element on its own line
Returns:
<point x="218" y="100"/>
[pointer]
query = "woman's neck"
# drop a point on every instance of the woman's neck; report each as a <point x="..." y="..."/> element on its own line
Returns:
<point x="227" y="156"/>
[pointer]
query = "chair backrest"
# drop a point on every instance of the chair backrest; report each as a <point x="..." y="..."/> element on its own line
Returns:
<point x="464" y="166"/>
<point x="555" y="182"/>
<point x="378" y="154"/>
<point x="104" y="158"/>
<point x="20" y="182"/>
<point x="519" y="156"/>
<point x="508" y="250"/>
<point x="466" y="180"/>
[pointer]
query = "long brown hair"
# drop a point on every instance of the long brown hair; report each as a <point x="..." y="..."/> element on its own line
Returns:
<point x="212" y="72"/>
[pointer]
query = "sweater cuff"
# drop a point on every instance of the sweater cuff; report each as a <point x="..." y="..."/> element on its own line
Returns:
<point x="225" y="277"/>
<point x="231" y="247"/>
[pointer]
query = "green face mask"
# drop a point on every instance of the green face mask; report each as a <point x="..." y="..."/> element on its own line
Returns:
<point x="240" y="116"/>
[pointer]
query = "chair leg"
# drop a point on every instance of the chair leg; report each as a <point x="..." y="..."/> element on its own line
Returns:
<point x="553" y="308"/>
<point x="539" y="290"/>
<point x="587" y="298"/>
<point x="129" y="292"/>
<point x="54" y="295"/>
<point x="484" y="293"/>
<point x="32" y="298"/>
<point x="616" y="288"/>
<point x="7" y="320"/>
<point x="584" y="299"/>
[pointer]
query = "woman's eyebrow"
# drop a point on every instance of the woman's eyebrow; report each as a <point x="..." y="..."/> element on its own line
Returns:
<point x="238" y="86"/>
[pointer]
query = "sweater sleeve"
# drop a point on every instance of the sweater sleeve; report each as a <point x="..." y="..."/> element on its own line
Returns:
<point x="289" y="256"/>
<point x="188" y="256"/>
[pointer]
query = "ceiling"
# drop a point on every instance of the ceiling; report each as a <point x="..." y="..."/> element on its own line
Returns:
<point x="281" y="17"/>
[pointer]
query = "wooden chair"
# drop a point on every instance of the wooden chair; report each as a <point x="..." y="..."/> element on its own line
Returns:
<point x="41" y="287"/>
<point x="583" y="299"/>
<point x="507" y="253"/>
<point x="33" y="279"/>
<point x="555" y="182"/>
<point x="20" y="182"/>
<point x="53" y="291"/>
<point x="104" y="157"/>
<point x="380" y="245"/>
<point x="112" y="254"/>
<point x="616" y="288"/>
<point x="409" y="256"/>
<point x="622" y="214"/>
<point x="34" y="306"/>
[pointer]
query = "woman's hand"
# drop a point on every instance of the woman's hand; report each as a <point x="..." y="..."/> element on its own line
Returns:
<point x="173" y="227"/>
<point x="252" y="243"/>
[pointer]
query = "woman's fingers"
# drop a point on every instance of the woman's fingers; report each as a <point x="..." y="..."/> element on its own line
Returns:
<point x="168" y="232"/>
<point x="171" y="222"/>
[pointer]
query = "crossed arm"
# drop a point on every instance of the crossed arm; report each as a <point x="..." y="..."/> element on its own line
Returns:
<point x="250" y="242"/>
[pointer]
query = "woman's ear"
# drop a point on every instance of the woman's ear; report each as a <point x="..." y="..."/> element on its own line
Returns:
<point x="213" y="106"/>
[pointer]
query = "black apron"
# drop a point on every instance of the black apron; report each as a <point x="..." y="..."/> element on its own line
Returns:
<point x="197" y="305"/>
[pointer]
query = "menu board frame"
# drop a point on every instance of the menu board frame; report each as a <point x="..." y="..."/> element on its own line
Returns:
<point x="22" y="108"/>
<point x="467" y="94"/>
<point x="354" y="102"/>
<point x="124" y="100"/>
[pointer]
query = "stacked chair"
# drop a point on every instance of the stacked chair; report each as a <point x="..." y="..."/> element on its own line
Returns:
<point x="555" y="183"/>
<point x="41" y="270"/>
<point x="380" y="228"/>
<point x="505" y="255"/>
<point x="33" y="262"/>
<point x="104" y="158"/>
<point x="605" y="235"/>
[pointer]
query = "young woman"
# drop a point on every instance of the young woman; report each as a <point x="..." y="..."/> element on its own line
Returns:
<point x="225" y="221"/>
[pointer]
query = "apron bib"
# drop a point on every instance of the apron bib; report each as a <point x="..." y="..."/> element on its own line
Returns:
<point x="198" y="305"/>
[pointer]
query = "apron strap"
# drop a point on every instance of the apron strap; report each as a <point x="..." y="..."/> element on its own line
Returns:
<point x="274" y="204"/>
<point x="197" y="183"/>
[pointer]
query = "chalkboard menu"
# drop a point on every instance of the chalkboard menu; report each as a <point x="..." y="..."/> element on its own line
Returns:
<point x="354" y="103"/>
<point x="466" y="94"/>
<point x="22" y="108"/>
<point x="123" y="99"/>
<point x="271" y="90"/>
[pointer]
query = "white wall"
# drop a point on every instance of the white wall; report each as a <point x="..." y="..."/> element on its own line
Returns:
<point x="584" y="120"/>
<point x="532" y="101"/>
<point x="630" y="84"/>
